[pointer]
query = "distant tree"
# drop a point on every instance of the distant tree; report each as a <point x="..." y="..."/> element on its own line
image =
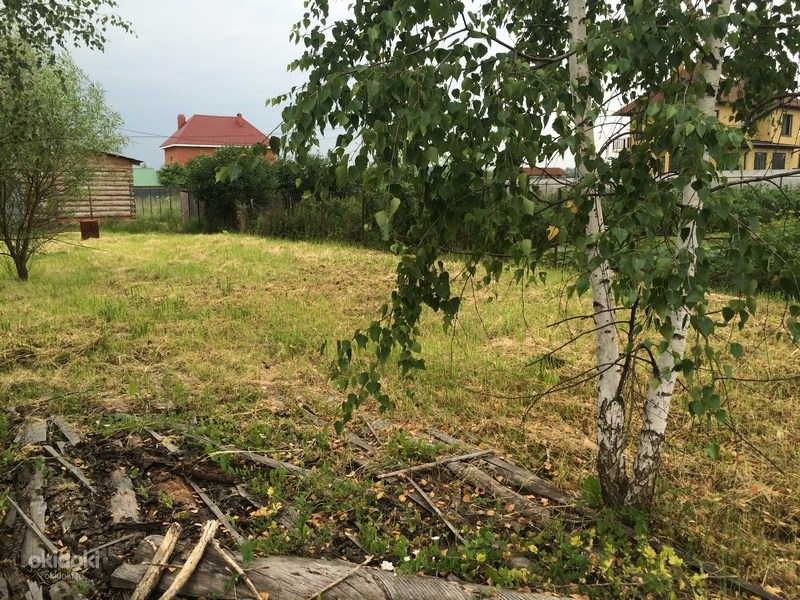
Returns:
<point x="51" y="127"/>
<point x="172" y="175"/>
<point x="230" y="183"/>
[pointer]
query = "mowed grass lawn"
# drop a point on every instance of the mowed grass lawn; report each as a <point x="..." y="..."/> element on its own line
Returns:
<point x="230" y="327"/>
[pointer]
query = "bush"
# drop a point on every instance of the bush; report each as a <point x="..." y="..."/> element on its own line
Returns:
<point x="229" y="204"/>
<point x="768" y="254"/>
<point x="753" y="205"/>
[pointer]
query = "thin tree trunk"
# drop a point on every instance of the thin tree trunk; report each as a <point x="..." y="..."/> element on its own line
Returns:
<point x="22" y="268"/>
<point x="611" y="468"/>
<point x="657" y="405"/>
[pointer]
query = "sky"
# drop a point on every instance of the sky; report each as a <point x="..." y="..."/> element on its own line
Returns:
<point x="194" y="57"/>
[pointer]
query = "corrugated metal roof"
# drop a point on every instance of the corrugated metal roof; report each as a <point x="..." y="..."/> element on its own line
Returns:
<point x="145" y="177"/>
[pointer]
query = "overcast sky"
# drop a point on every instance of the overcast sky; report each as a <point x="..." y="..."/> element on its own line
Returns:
<point x="194" y="57"/>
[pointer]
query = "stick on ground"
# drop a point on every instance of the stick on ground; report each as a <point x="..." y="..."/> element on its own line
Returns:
<point x="150" y="579"/>
<point x="209" y="529"/>
<point x="435" y="509"/>
<point x="239" y="571"/>
<point x="437" y="463"/>
<point x="217" y="512"/>
<point x="70" y="467"/>
<point x="51" y="547"/>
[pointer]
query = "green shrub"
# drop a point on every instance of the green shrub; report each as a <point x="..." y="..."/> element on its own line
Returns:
<point x="753" y="204"/>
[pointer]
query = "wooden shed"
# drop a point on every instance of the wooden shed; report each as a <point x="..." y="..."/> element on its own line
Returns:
<point x="110" y="193"/>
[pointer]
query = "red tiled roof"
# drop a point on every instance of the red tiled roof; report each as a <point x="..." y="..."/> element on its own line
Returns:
<point x="214" y="131"/>
<point x="544" y="171"/>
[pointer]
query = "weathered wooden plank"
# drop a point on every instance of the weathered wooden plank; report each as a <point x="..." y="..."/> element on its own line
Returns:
<point x="32" y="544"/>
<point x="70" y="467"/>
<point x="33" y="526"/>
<point x="34" y="432"/>
<point x="436" y="463"/>
<point x="523" y="505"/>
<point x="521" y="479"/>
<point x="34" y="591"/>
<point x="296" y="578"/>
<point x="69" y="432"/>
<point x="123" y="505"/>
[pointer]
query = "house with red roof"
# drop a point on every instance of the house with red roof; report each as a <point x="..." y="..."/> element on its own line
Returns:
<point x="204" y="134"/>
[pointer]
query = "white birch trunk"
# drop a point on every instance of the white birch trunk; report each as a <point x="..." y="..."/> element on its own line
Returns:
<point x="611" y="467"/>
<point x="659" y="397"/>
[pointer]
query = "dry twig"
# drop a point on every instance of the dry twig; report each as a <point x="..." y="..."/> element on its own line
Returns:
<point x="150" y="579"/>
<point x="209" y="529"/>
<point x="239" y="571"/>
<point x="339" y="580"/>
<point x="436" y="463"/>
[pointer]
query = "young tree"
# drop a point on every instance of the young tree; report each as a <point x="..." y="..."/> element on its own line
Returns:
<point x="51" y="127"/>
<point x="172" y="175"/>
<point x="464" y="94"/>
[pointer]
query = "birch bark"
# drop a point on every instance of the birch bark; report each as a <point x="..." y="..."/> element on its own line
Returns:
<point x="611" y="467"/>
<point x="657" y="404"/>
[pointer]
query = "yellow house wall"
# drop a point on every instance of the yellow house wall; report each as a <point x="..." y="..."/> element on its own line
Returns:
<point x="768" y="130"/>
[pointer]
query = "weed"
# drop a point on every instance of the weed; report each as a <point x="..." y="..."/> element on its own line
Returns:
<point x="164" y="498"/>
<point x="404" y="448"/>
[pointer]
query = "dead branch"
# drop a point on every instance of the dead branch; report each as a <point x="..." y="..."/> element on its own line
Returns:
<point x="70" y="467"/>
<point x="437" y="463"/>
<point x="436" y="510"/>
<point x="217" y="512"/>
<point x="150" y="579"/>
<point x="223" y="554"/>
<point x="51" y="547"/>
<point x="209" y="529"/>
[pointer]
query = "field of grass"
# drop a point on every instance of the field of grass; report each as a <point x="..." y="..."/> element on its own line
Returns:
<point x="227" y="330"/>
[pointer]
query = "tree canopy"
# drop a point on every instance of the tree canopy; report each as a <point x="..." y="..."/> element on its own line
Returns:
<point x="465" y="94"/>
<point x="51" y="128"/>
<point x="47" y="26"/>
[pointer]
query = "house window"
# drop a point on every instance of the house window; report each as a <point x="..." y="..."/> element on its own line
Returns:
<point x="779" y="160"/>
<point x="786" y="125"/>
<point x="760" y="161"/>
<point x="673" y="164"/>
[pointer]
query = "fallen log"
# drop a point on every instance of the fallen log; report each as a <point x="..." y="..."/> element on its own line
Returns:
<point x="295" y="578"/>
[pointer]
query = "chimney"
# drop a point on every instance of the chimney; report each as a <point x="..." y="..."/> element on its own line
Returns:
<point x="239" y="120"/>
<point x="181" y="121"/>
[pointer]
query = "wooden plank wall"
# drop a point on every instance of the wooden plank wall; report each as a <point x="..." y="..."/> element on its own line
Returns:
<point x="110" y="194"/>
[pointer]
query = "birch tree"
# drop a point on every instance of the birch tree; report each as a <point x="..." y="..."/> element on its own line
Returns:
<point x="463" y="94"/>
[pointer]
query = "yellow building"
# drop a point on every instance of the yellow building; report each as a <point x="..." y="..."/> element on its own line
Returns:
<point x="776" y="141"/>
